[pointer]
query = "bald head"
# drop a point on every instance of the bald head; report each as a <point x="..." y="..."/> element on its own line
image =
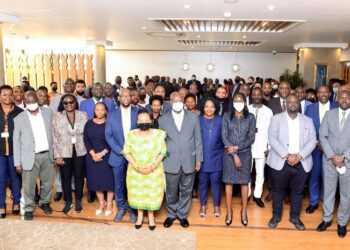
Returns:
<point x="125" y="97"/>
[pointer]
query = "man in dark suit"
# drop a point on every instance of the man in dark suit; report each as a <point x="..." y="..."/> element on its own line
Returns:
<point x="316" y="112"/>
<point x="245" y="90"/>
<point x="194" y="80"/>
<point x="278" y="104"/>
<point x="234" y="88"/>
<point x="184" y="158"/>
<point x="195" y="91"/>
<point x="119" y="123"/>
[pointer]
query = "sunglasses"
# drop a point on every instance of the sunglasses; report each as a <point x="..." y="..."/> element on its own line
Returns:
<point x="68" y="102"/>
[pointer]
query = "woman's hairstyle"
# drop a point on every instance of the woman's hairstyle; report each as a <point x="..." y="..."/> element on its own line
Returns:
<point x="142" y="111"/>
<point x="214" y="101"/>
<point x="61" y="107"/>
<point x="245" y="110"/>
<point x="104" y="105"/>
<point x="190" y="95"/>
<point x="156" y="97"/>
<point x="3" y="87"/>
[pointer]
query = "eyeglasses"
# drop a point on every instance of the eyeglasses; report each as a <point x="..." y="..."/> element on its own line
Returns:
<point x="68" y="102"/>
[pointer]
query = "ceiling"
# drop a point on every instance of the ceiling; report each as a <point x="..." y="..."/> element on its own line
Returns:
<point x="64" y="24"/>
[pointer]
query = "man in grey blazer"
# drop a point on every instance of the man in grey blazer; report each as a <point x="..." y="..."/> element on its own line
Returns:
<point x="33" y="154"/>
<point x="292" y="138"/>
<point x="335" y="142"/>
<point x="183" y="159"/>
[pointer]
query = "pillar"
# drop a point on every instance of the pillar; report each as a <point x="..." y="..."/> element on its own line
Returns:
<point x="100" y="64"/>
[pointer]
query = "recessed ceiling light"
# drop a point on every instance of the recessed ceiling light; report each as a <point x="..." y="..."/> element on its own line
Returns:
<point x="271" y="7"/>
<point x="227" y="14"/>
<point x="244" y="37"/>
<point x="143" y="27"/>
<point x="187" y="6"/>
<point x="198" y="36"/>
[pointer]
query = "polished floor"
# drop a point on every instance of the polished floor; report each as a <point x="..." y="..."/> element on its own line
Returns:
<point x="212" y="233"/>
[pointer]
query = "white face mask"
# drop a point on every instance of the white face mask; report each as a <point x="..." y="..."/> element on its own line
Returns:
<point x="239" y="106"/>
<point x="178" y="106"/>
<point x="32" y="106"/>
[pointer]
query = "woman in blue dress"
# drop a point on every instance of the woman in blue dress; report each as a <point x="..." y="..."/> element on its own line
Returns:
<point x="213" y="149"/>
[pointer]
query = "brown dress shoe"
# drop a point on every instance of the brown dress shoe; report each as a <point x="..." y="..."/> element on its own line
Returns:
<point x="268" y="197"/>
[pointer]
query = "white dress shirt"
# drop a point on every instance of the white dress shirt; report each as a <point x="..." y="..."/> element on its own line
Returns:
<point x="39" y="131"/>
<point x="95" y="101"/>
<point x="293" y="134"/>
<point x="178" y="118"/>
<point x="322" y="109"/>
<point x="263" y="117"/>
<point x="341" y="114"/>
<point x="126" y="120"/>
<point x="302" y="106"/>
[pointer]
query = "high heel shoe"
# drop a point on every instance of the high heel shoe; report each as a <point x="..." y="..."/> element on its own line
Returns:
<point x="244" y="222"/>
<point x="109" y="212"/>
<point x="137" y="227"/>
<point x="100" y="210"/>
<point x="228" y="221"/>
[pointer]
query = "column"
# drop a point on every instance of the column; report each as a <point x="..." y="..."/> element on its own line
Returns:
<point x="2" y="58"/>
<point x="100" y="64"/>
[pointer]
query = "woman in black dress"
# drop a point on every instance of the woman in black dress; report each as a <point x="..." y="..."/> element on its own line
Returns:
<point x="156" y="103"/>
<point x="99" y="174"/>
<point x="238" y="134"/>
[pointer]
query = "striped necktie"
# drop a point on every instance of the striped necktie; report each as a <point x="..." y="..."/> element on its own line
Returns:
<point x="342" y="122"/>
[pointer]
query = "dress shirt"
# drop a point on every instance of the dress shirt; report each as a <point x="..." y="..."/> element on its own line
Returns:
<point x="323" y="108"/>
<point x="95" y="101"/>
<point x="178" y="118"/>
<point x="294" y="134"/>
<point x="341" y="114"/>
<point x="302" y="106"/>
<point x="126" y="120"/>
<point x="39" y="132"/>
<point x="285" y="104"/>
<point x="22" y="106"/>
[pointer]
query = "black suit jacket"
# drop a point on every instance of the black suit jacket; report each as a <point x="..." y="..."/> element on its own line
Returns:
<point x="275" y="105"/>
<point x="233" y="90"/>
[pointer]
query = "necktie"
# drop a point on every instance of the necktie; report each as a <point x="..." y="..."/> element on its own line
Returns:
<point x="284" y="106"/>
<point x="342" y="122"/>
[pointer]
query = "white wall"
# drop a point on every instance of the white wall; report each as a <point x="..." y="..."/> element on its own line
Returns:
<point x="167" y="63"/>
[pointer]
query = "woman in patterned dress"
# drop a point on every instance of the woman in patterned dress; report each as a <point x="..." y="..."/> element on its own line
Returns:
<point x="145" y="149"/>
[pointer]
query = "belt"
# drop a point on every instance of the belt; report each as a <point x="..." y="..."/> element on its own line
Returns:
<point x="43" y="152"/>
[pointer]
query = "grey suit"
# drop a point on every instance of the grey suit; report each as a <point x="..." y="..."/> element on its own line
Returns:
<point x="184" y="149"/>
<point x="335" y="142"/>
<point x="34" y="164"/>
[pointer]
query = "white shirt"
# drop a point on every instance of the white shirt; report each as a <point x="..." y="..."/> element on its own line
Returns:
<point x="126" y="120"/>
<point x="39" y="132"/>
<point x="22" y="106"/>
<point x="263" y="117"/>
<point x="322" y="109"/>
<point x="302" y="106"/>
<point x="293" y="134"/>
<point x="341" y="114"/>
<point x="95" y="101"/>
<point x="178" y="118"/>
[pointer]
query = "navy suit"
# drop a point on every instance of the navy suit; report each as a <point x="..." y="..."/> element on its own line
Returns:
<point x="115" y="139"/>
<point x="316" y="174"/>
<point x="88" y="106"/>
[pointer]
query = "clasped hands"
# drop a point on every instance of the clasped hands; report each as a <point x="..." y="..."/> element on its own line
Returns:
<point x="231" y="151"/>
<point x="293" y="159"/>
<point x="97" y="157"/>
<point x="338" y="160"/>
<point x="146" y="170"/>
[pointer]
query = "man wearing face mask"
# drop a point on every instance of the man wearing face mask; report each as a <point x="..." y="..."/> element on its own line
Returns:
<point x="142" y="97"/>
<point x="335" y="142"/>
<point x="183" y="159"/>
<point x="118" y="125"/>
<point x="334" y="85"/>
<point x="292" y="138"/>
<point x="33" y="153"/>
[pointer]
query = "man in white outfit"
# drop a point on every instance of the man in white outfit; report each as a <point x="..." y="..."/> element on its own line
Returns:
<point x="263" y="117"/>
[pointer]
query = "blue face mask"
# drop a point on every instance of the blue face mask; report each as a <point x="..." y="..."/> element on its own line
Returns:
<point x="335" y="89"/>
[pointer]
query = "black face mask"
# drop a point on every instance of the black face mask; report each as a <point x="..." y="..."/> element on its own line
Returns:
<point x="54" y="89"/>
<point x="142" y="97"/>
<point x="81" y="93"/>
<point x="144" y="126"/>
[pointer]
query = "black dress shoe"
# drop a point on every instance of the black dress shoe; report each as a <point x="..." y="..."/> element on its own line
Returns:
<point x="78" y="206"/>
<point x="259" y="202"/>
<point x="311" y="208"/>
<point x="299" y="225"/>
<point x="28" y="215"/>
<point x="46" y="207"/>
<point x="91" y="197"/>
<point x="274" y="221"/>
<point x="15" y="211"/>
<point x="3" y="216"/>
<point x="184" y="222"/>
<point x="323" y="226"/>
<point x="341" y="231"/>
<point x="168" y="222"/>
<point x="36" y="199"/>
<point x="58" y="196"/>
<point x="67" y="207"/>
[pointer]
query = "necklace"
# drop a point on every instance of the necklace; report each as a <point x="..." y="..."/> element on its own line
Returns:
<point x="209" y="127"/>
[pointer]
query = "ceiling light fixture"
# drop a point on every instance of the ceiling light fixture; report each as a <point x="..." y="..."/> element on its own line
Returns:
<point x="187" y="6"/>
<point x="244" y="37"/>
<point x="198" y="36"/>
<point x="231" y="1"/>
<point x="227" y="15"/>
<point x="185" y="66"/>
<point x="271" y="7"/>
<point x="144" y="27"/>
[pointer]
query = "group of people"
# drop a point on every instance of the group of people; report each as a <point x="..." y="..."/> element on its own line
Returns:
<point x="136" y="143"/>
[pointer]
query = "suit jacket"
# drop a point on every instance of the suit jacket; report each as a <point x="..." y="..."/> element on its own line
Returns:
<point x="88" y="106"/>
<point x="275" y="105"/>
<point x="313" y="111"/>
<point x="62" y="134"/>
<point x="233" y="89"/>
<point x="334" y="141"/>
<point x="23" y="139"/>
<point x="279" y="141"/>
<point x="184" y="148"/>
<point x="115" y="135"/>
<point x="306" y="104"/>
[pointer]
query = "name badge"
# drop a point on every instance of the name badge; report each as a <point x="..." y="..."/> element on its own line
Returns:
<point x="5" y="135"/>
<point x="74" y="139"/>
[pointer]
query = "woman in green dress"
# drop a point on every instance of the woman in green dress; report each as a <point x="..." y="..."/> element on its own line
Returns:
<point x="145" y="149"/>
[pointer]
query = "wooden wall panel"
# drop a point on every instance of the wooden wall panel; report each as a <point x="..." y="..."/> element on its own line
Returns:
<point x="72" y="67"/>
<point x="80" y="67"/>
<point x="89" y="71"/>
<point x="32" y="70"/>
<point x="48" y="69"/>
<point x="39" y="71"/>
<point x="8" y="68"/>
<point x="64" y="67"/>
